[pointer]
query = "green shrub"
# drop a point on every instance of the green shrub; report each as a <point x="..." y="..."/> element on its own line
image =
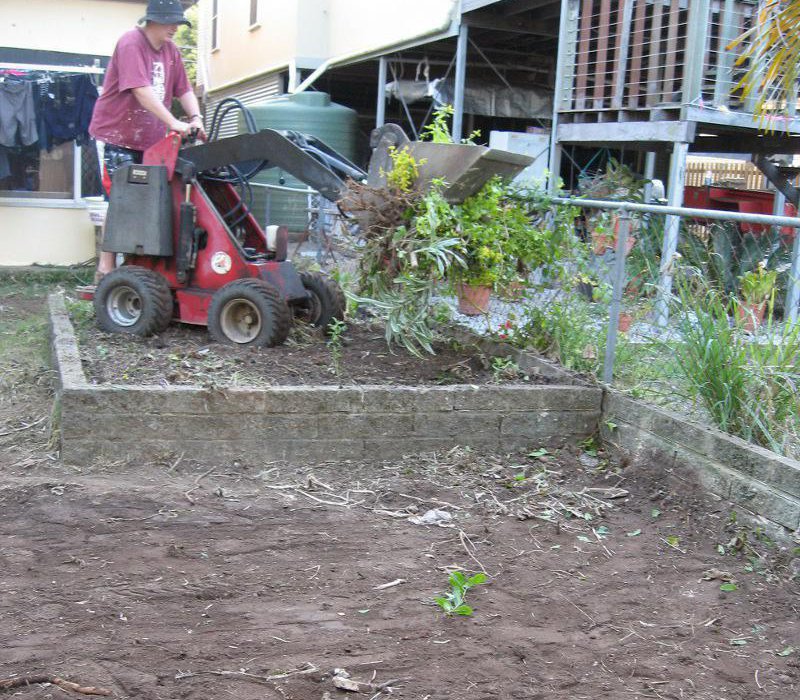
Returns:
<point x="748" y="384"/>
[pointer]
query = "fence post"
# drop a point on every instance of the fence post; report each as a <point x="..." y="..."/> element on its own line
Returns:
<point x="793" y="291"/>
<point x="624" y="228"/>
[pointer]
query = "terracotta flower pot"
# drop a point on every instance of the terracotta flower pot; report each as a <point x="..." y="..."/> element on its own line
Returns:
<point x="624" y="322"/>
<point x="602" y="242"/>
<point x="473" y="300"/>
<point x="751" y="314"/>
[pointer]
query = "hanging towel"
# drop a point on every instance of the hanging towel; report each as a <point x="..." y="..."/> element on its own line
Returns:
<point x="17" y="115"/>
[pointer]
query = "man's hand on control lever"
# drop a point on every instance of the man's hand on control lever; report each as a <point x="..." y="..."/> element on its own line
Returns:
<point x="190" y="131"/>
<point x="196" y="128"/>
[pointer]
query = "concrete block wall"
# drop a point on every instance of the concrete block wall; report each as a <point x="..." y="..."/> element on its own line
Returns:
<point x="755" y="478"/>
<point x="307" y="423"/>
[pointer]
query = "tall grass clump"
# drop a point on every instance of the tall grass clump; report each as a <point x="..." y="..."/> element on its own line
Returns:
<point x="565" y="330"/>
<point x="748" y="383"/>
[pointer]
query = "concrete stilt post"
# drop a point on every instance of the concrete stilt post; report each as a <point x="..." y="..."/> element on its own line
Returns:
<point x="380" y="112"/>
<point x="460" y="81"/>
<point x="677" y="177"/>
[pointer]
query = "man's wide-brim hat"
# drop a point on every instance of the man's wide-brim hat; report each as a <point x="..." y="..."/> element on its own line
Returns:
<point x="165" y="12"/>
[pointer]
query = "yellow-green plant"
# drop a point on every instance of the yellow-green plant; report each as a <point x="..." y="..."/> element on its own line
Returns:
<point x="438" y="131"/>
<point x="496" y="235"/>
<point x="758" y="285"/>
<point x="405" y="169"/>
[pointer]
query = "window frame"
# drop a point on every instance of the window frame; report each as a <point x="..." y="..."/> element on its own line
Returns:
<point x="254" y="15"/>
<point x="76" y="200"/>
<point x="214" y="31"/>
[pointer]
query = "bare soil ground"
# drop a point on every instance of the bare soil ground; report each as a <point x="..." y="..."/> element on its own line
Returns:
<point x="188" y="580"/>
<point x="187" y="355"/>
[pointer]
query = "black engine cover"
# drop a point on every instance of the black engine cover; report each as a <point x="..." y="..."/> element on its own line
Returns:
<point x="139" y="219"/>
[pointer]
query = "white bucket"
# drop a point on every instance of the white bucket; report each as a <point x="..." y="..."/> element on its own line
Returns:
<point x="97" y="208"/>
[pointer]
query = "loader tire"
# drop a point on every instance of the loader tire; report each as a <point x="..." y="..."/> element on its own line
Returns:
<point x="249" y="312"/>
<point x="134" y="300"/>
<point x="327" y="301"/>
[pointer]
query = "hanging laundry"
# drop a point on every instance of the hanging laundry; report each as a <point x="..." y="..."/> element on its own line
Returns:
<point x="5" y="166"/>
<point x="67" y="110"/>
<point x="17" y="115"/>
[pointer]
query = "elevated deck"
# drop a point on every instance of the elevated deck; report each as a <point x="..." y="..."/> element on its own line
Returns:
<point x="648" y="73"/>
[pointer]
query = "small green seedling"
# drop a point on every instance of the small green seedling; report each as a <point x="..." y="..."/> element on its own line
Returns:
<point x="538" y="454"/>
<point x="453" y="601"/>
<point x="504" y="368"/>
<point x="336" y="329"/>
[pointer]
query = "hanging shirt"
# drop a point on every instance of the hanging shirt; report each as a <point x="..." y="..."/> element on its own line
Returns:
<point x="118" y="118"/>
<point x="67" y="110"/>
<point x="17" y="116"/>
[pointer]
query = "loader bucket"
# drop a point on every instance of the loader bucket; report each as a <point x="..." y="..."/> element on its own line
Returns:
<point x="465" y="168"/>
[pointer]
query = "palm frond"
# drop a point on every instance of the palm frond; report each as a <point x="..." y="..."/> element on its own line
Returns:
<point x="771" y="50"/>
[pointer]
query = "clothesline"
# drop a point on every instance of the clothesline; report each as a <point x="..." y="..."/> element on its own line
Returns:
<point x="93" y="70"/>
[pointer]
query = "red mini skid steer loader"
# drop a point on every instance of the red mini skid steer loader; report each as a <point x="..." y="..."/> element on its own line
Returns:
<point x="194" y="253"/>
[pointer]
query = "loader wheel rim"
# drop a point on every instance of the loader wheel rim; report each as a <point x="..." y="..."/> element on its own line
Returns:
<point x="240" y="321"/>
<point x="124" y="306"/>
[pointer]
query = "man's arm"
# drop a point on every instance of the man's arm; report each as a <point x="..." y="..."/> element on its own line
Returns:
<point x="192" y="108"/>
<point x="146" y="97"/>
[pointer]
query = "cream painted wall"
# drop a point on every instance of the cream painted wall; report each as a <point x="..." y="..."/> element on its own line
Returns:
<point x="72" y="26"/>
<point x="45" y="236"/>
<point x="38" y="234"/>
<point x="366" y="25"/>
<point x="244" y="51"/>
<point x="310" y="32"/>
<point x="313" y="40"/>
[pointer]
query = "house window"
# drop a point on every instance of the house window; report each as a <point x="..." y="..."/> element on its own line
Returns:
<point x="214" y="24"/>
<point x="39" y="158"/>
<point x="253" y="12"/>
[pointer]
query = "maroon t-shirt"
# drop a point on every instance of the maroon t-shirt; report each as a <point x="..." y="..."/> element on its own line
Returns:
<point x="118" y="117"/>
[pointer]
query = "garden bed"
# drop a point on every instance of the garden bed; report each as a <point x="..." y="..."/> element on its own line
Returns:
<point x="185" y="355"/>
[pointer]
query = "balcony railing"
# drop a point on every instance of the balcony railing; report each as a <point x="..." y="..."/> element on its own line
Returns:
<point x="640" y="55"/>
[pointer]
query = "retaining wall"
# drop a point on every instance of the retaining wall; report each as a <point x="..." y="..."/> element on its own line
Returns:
<point x="308" y="423"/>
<point x="757" y="479"/>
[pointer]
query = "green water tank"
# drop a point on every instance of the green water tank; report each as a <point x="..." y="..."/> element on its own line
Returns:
<point x="309" y="113"/>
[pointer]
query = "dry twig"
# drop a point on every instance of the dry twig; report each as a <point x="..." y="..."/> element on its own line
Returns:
<point x="22" y="681"/>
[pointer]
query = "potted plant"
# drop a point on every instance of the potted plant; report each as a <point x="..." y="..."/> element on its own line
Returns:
<point x="475" y="281"/>
<point x="605" y="232"/>
<point x="757" y="290"/>
<point x="497" y="244"/>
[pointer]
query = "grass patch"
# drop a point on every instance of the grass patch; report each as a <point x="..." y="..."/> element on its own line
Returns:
<point x="31" y="282"/>
<point x="24" y="342"/>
